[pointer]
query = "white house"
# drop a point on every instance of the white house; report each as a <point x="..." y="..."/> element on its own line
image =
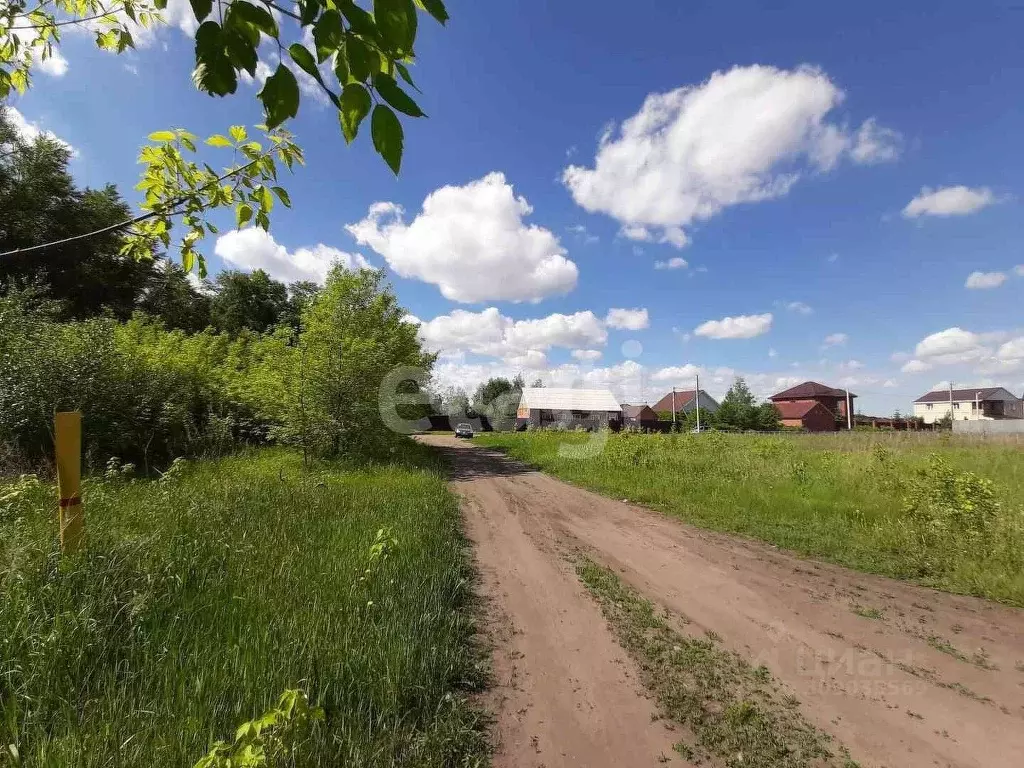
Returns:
<point x="969" y="405"/>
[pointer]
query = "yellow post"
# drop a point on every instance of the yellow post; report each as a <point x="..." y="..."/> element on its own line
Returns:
<point x="67" y="430"/>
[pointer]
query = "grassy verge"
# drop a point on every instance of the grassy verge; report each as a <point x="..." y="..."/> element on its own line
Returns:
<point x="844" y="498"/>
<point x="734" y="713"/>
<point x="203" y="596"/>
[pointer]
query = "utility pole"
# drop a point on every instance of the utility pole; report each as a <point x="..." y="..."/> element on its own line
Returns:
<point x="977" y="406"/>
<point x="696" y="399"/>
<point x="950" y="405"/>
<point x="849" y="416"/>
<point x="673" y="405"/>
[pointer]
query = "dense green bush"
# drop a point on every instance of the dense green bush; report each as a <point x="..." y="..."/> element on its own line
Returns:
<point x="148" y="394"/>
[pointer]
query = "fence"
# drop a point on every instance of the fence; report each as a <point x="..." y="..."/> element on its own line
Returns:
<point x="985" y="427"/>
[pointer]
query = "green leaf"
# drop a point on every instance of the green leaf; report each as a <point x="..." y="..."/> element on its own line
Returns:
<point x="435" y="8"/>
<point x="308" y="10"/>
<point x="214" y="72"/>
<point x="387" y="136"/>
<point x="255" y="15"/>
<point x="188" y="257"/>
<point x="266" y="199"/>
<point x="355" y="106"/>
<point x="280" y="96"/>
<point x="396" y="22"/>
<point x="328" y="34"/>
<point x="237" y="132"/>
<point x="301" y="56"/>
<point x="219" y="141"/>
<point x="403" y="71"/>
<point x="362" y="61"/>
<point x="341" y="65"/>
<point x="395" y="96"/>
<point x="243" y="214"/>
<point x="240" y="48"/>
<point x="282" y="195"/>
<point x="201" y="8"/>
<point x="359" y="20"/>
<point x="161" y="136"/>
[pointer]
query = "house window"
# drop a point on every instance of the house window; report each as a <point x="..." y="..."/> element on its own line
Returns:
<point x="956" y="405"/>
<point x="929" y="406"/>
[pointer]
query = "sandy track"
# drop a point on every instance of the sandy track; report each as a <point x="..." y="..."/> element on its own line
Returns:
<point x="924" y="679"/>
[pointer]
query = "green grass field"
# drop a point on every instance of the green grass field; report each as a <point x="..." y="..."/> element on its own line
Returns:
<point x="897" y="504"/>
<point x="201" y="598"/>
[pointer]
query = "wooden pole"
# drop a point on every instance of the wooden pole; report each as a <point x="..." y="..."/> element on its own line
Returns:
<point x="67" y="430"/>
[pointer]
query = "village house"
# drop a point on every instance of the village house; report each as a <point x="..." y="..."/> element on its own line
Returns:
<point x="548" y="406"/>
<point x="972" y="404"/>
<point x="640" y="416"/>
<point x="810" y="392"/>
<point x="682" y="401"/>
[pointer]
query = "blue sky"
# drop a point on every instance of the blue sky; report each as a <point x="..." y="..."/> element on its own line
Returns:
<point x="785" y="182"/>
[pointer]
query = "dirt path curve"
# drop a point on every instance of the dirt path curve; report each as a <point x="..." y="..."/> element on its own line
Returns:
<point x="903" y="676"/>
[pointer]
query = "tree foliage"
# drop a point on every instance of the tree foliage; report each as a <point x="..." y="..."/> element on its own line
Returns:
<point x="40" y="202"/>
<point x="357" y="59"/>
<point x="740" y="410"/>
<point x="498" y="398"/>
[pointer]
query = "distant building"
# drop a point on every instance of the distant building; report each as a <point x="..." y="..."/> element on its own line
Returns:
<point x="683" y="401"/>
<point x="809" y="415"/>
<point x="832" y="399"/>
<point x="979" y="403"/>
<point x="547" y="406"/>
<point x="641" y="416"/>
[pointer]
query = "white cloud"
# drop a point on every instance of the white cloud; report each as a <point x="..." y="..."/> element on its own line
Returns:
<point x="253" y="248"/>
<point x="681" y="374"/>
<point x="471" y="242"/>
<point x="490" y="333"/>
<point x="739" y="327"/>
<point x="676" y="262"/>
<point x="948" y="201"/>
<point x="583" y="234"/>
<point x="836" y="339"/>
<point x="833" y="258"/>
<point x="875" y="144"/>
<point x="950" y="342"/>
<point x="30" y="131"/>
<point x="772" y="352"/>
<point x="915" y="366"/>
<point x="1019" y="270"/>
<point x="54" y="65"/>
<point x="627" y="319"/>
<point x="742" y="136"/>
<point x="850" y="365"/>
<point x="1012" y="351"/>
<point x="800" y="308"/>
<point x="587" y="355"/>
<point x="981" y="280"/>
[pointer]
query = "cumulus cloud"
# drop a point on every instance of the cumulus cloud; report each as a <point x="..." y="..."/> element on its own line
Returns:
<point x="490" y="333"/>
<point x="982" y="280"/>
<point x="915" y="366"/>
<point x="739" y="327"/>
<point x="54" y="65"/>
<point x="676" y="262"/>
<point x="587" y="355"/>
<point x="742" y="136"/>
<point x="583" y="234"/>
<point x="948" y="201"/>
<point x="627" y="319"/>
<point x="1012" y="351"/>
<point x="473" y="243"/>
<point x="987" y="353"/>
<point x="253" y="248"/>
<point x="836" y="339"/>
<point x="30" y="131"/>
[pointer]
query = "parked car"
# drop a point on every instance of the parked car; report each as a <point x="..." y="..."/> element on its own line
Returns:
<point x="464" y="430"/>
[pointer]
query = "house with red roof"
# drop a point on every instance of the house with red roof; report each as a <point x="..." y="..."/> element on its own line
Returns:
<point x="796" y="405"/>
<point x="682" y="401"/>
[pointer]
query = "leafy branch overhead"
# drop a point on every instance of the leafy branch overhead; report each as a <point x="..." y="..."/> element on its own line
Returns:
<point x="359" y="57"/>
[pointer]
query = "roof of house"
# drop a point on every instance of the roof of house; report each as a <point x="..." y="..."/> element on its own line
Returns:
<point x="810" y="389"/>
<point x="789" y="409"/>
<point x="634" y="411"/>
<point x="683" y="396"/>
<point x="567" y="399"/>
<point x="942" y="395"/>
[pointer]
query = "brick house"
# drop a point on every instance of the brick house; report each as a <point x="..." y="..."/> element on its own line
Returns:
<point x="832" y="399"/>
<point x="809" y="415"/>
<point x="642" y="416"/>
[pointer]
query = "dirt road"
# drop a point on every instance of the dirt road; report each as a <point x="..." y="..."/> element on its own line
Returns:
<point x="901" y="675"/>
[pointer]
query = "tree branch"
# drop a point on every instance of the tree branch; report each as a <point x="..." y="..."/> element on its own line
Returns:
<point x="166" y="209"/>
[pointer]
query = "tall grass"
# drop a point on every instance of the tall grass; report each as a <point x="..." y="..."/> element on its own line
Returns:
<point x="203" y="596"/>
<point x="946" y="512"/>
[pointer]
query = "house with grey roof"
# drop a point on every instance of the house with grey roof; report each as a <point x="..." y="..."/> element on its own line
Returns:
<point x="971" y="404"/>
